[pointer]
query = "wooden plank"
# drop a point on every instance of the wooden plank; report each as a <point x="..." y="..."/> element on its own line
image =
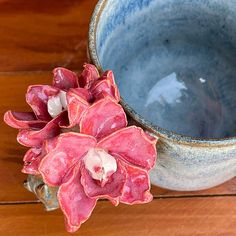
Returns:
<point x="177" y="217"/>
<point x="11" y="153"/>
<point x="40" y="35"/>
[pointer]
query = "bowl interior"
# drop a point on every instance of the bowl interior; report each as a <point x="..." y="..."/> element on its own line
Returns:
<point x="174" y="62"/>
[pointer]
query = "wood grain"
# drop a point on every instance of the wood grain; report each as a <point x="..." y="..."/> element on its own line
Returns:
<point x="40" y="35"/>
<point x="177" y="217"/>
<point x="37" y="36"/>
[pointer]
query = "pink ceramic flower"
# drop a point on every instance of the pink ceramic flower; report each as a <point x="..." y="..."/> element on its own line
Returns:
<point x="48" y="104"/>
<point x="103" y="159"/>
<point x="34" y="156"/>
<point x="101" y="119"/>
<point x="115" y="168"/>
<point x="56" y="106"/>
<point x="106" y="160"/>
<point x="99" y="87"/>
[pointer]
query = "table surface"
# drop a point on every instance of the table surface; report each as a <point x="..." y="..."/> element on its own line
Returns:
<point x="35" y="37"/>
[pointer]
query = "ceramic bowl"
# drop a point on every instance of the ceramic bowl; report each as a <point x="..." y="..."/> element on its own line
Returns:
<point x="175" y="66"/>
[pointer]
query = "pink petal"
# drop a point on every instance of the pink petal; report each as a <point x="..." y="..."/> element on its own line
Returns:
<point x="102" y="95"/>
<point x="137" y="186"/>
<point x="150" y="137"/>
<point x="35" y="138"/>
<point x="74" y="203"/>
<point x="116" y="93"/>
<point x="23" y="120"/>
<point x="108" y="75"/>
<point x="103" y="118"/>
<point x="37" y="97"/>
<point x="76" y="104"/>
<point x="64" y="79"/>
<point x="50" y="144"/>
<point x="32" y="160"/>
<point x="88" y="76"/>
<point x="68" y="151"/>
<point x="82" y="92"/>
<point x="105" y="87"/>
<point x="34" y="156"/>
<point x="133" y="145"/>
<point x="113" y="188"/>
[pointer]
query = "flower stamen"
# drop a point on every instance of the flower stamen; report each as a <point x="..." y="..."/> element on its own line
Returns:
<point x="57" y="104"/>
<point x="100" y="165"/>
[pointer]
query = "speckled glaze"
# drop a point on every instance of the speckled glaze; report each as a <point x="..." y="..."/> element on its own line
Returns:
<point x="175" y="65"/>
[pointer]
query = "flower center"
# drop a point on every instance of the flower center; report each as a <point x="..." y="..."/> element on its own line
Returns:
<point x="100" y="164"/>
<point x="57" y="104"/>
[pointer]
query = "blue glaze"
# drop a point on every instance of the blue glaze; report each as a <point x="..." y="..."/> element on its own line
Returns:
<point x="174" y="62"/>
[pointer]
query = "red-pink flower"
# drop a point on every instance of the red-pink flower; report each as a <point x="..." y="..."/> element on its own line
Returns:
<point x="105" y="159"/>
<point x="109" y="160"/>
<point x="34" y="156"/>
<point x="56" y="106"/>
<point x="47" y="103"/>
<point x="99" y="86"/>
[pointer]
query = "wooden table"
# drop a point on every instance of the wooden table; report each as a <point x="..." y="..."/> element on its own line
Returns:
<point x="35" y="37"/>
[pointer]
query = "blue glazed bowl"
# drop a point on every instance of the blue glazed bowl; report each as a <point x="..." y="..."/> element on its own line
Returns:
<point x="175" y="65"/>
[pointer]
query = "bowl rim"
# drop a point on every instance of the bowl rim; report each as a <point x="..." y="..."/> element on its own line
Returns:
<point x="153" y="129"/>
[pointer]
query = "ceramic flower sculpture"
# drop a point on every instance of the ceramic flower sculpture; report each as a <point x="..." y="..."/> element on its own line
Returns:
<point x="81" y="149"/>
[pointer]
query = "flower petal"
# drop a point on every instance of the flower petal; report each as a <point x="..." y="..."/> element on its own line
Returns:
<point x="68" y="151"/>
<point x="112" y="189"/>
<point x="75" y="204"/>
<point x="64" y="78"/>
<point x="32" y="160"/>
<point x="133" y="145"/>
<point x="109" y="76"/>
<point x="50" y="144"/>
<point x="104" y="87"/>
<point x="37" y="97"/>
<point x="88" y="76"/>
<point x="35" y="138"/>
<point x="137" y="186"/>
<point x="76" y="105"/>
<point x="82" y="92"/>
<point x="23" y="120"/>
<point x="103" y="118"/>
<point x="34" y="156"/>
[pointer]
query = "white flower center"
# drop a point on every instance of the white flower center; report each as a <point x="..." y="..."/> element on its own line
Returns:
<point x="100" y="164"/>
<point x="57" y="104"/>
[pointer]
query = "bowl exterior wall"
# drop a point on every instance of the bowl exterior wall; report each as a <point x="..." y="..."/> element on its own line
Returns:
<point x="189" y="167"/>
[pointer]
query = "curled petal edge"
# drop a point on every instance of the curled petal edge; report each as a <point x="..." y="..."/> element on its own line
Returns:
<point x="23" y="120"/>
